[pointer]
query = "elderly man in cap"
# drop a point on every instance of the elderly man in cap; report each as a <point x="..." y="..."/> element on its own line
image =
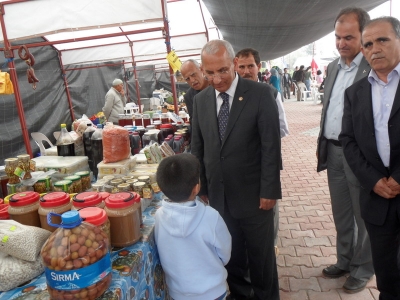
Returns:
<point x="115" y="101"/>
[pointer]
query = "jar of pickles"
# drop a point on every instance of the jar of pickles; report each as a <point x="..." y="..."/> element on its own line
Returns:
<point x="63" y="186"/>
<point x="85" y="180"/>
<point x="76" y="183"/>
<point x="97" y="217"/>
<point x="55" y="202"/>
<point x="24" y="166"/>
<point x="138" y="188"/>
<point x="124" y="187"/>
<point x="86" y="199"/>
<point x="10" y="165"/>
<point x="43" y="185"/>
<point x="24" y="208"/>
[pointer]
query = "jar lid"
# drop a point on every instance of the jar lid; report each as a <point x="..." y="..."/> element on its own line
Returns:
<point x="169" y="126"/>
<point x="123" y="185"/>
<point x="24" y="156"/>
<point x="73" y="178"/>
<point x="24" y="198"/>
<point x="71" y="218"/>
<point x="116" y="181"/>
<point x="54" y="199"/>
<point x="139" y="184"/>
<point x="122" y="199"/>
<point x="82" y="173"/>
<point x="104" y="195"/>
<point x="85" y="199"/>
<point x="44" y="179"/>
<point x="93" y="215"/>
<point x="143" y="178"/>
<point x="10" y="160"/>
<point x="4" y="212"/>
<point x="63" y="183"/>
<point x="150" y="127"/>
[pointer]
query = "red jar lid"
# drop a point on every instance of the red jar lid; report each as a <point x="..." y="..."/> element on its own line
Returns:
<point x="93" y="215"/>
<point x="122" y="199"/>
<point x="4" y="212"/>
<point x="87" y="199"/>
<point x="104" y="195"/>
<point x="54" y="199"/>
<point x="1" y="201"/>
<point x="168" y="126"/>
<point x="24" y="198"/>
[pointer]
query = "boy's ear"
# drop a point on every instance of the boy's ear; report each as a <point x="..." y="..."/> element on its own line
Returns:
<point x="195" y="191"/>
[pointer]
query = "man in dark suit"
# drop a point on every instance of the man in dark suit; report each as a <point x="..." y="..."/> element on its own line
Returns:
<point x="191" y="72"/>
<point x="287" y="82"/>
<point x="371" y="143"/>
<point x="236" y="137"/>
<point x="352" y="241"/>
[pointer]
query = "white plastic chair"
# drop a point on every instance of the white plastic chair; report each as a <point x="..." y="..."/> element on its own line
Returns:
<point x="39" y="137"/>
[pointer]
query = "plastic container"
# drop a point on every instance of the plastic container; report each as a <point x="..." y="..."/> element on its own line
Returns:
<point x="43" y="185"/>
<point x="63" y="186"/>
<point x="124" y="212"/>
<point x="85" y="180"/>
<point x="77" y="259"/>
<point x="55" y="202"/>
<point x="97" y="148"/>
<point x="76" y="183"/>
<point x="4" y="212"/>
<point x="10" y="165"/>
<point x="166" y="130"/>
<point x="122" y="167"/>
<point x="23" y="208"/>
<point x="86" y="199"/>
<point x="97" y="217"/>
<point x="65" y="143"/>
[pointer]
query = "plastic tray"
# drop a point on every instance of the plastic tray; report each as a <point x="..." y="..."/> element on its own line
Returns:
<point x="122" y="167"/>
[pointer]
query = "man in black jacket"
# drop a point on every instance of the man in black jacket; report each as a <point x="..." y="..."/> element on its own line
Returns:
<point x="287" y="81"/>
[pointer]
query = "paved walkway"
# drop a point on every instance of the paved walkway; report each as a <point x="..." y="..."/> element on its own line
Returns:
<point x="307" y="235"/>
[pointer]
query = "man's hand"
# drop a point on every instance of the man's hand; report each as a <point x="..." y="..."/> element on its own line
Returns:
<point x="267" y="204"/>
<point x="395" y="187"/>
<point x="383" y="189"/>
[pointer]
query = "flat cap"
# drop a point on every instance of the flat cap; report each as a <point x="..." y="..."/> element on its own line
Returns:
<point x="117" y="82"/>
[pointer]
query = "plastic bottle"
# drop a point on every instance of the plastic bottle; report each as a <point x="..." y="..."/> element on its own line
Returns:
<point x="87" y="144"/>
<point x="65" y="143"/>
<point x="97" y="148"/>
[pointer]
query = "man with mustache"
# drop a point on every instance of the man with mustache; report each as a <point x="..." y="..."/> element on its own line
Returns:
<point x="371" y="143"/>
<point x="352" y="242"/>
<point x="192" y="74"/>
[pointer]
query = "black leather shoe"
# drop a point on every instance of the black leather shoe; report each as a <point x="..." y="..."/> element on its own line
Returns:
<point x="354" y="285"/>
<point x="333" y="272"/>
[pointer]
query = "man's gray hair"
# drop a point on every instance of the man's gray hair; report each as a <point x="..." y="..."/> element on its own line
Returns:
<point x="193" y="61"/>
<point x="391" y="20"/>
<point x="214" y="46"/>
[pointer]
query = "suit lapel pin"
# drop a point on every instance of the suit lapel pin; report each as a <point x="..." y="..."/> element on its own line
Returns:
<point x="364" y="71"/>
<point x="240" y="98"/>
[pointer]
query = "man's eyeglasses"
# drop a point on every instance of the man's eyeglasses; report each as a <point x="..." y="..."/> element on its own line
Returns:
<point x="219" y="74"/>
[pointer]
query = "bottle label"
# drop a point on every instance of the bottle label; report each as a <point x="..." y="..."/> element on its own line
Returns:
<point x="79" y="278"/>
<point x="19" y="172"/>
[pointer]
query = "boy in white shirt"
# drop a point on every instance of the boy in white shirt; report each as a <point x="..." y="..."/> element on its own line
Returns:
<point x="193" y="241"/>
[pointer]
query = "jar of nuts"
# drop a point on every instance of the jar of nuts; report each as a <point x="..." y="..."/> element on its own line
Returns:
<point x="63" y="186"/>
<point x="10" y="165"/>
<point x="85" y="180"/>
<point x="77" y="259"/>
<point x="24" y="166"/>
<point x="56" y="202"/>
<point x="24" y="208"/>
<point x="97" y="217"/>
<point x="76" y="183"/>
<point x="43" y="185"/>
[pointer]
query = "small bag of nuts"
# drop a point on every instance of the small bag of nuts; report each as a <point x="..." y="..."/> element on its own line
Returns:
<point x="14" y="238"/>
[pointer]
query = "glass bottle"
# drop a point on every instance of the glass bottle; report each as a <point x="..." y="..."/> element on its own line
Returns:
<point x="65" y="143"/>
<point x="97" y="148"/>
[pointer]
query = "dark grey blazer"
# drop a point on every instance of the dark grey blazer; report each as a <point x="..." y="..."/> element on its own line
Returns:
<point x="246" y="164"/>
<point x="360" y="149"/>
<point x="330" y="79"/>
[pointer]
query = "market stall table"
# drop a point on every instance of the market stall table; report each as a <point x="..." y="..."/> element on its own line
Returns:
<point x="136" y="270"/>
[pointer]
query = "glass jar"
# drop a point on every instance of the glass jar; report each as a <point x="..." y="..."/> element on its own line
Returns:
<point x="24" y="166"/>
<point x="4" y="212"/>
<point x="123" y="212"/>
<point x="43" y="185"/>
<point x="156" y="117"/>
<point x="138" y="120"/>
<point x="85" y="180"/>
<point x="131" y="182"/>
<point x="124" y="187"/>
<point x="24" y="208"/>
<point x="165" y="118"/>
<point x="97" y="187"/>
<point x="10" y="165"/>
<point x="63" y="186"/>
<point x="145" y="179"/>
<point x="86" y="199"/>
<point x="55" y="202"/>
<point x="97" y="217"/>
<point x="138" y="188"/>
<point x="146" y="120"/>
<point x="76" y="183"/>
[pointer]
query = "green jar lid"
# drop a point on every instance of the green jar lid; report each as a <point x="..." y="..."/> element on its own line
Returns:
<point x="63" y="183"/>
<point x="73" y="178"/>
<point x="83" y="173"/>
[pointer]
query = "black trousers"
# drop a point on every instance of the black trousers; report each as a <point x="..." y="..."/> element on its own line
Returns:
<point x="385" y="245"/>
<point x="286" y="90"/>
<point x="252" y="267"/>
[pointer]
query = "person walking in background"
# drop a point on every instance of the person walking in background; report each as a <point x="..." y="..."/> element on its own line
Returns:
<point x="352" y="242"/>
<point x="307" y="79"/>
<point x="275" y="80"/>
<point x="115" y="101"/>
<point x="287" y="82"/>
<point x="371" y="143"/>
<point x="300" y="82"/>
<point x="294" y="79"/>
<point x="236" y="138"/>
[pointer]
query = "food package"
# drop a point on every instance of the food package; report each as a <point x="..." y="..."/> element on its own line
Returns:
<point x="80" y="125"/>
<point x="116" y="143"/>
<point x="14" y="238"/>
<point x="14" y="271"/>
<point x="77" y="259"/>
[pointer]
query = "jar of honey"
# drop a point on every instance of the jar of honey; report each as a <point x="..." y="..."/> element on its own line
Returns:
<point x="24" y="208"/>
<point x="86" y="199"/>
<point x="55" y="202"/>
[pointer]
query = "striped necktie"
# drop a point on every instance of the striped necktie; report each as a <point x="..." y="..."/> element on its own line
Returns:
<point x="223" y="115"/>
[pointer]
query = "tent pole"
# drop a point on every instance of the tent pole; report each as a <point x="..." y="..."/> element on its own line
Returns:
<point x="204" y="21"/>
<point x="8" y="53"/>
<point x="126" y="81"/>
<point x="71" y="110"/>
<point x="136" y="79"/>
<point x="168" y="44"/>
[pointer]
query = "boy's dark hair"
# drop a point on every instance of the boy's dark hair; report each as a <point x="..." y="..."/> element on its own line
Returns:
<point x="177" y="175"/>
